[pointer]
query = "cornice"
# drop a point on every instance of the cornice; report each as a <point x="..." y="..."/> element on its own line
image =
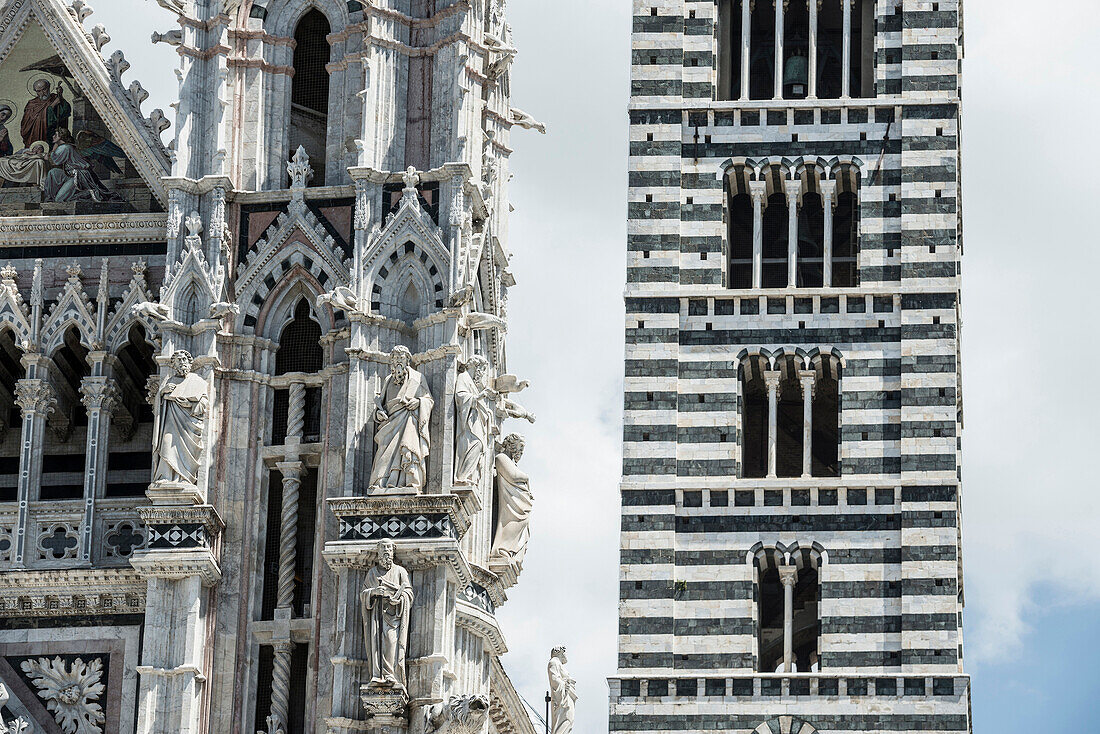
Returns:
<point x="83" y="229"/>
<point x="67" y="592"/>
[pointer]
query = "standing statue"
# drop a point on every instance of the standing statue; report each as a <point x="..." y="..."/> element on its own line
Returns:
<point x="402" y="415"/>
<point x="473" y="413"/>
<point x="385" y="603"/>
<point x="179" y="424"/>
<point x="514" y="503"/>
<point x="563" y="693"/>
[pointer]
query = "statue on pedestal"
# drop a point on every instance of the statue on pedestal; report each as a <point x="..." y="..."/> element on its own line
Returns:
<point x="563" y="693"/>
<point x="514" y="504"/>
<point x="386" y="601"/>
<point x="402" y="417"/>
<point x="473" y="412"/>
<point x="179" y="424"/>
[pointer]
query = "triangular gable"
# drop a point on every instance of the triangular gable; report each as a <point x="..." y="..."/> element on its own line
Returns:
<point x="41" y="40"/>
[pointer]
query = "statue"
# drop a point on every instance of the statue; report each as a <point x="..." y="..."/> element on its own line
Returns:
<point x="514" y="503"/>
<point x="402" y="415"/>
<point x="386" y="602"/>
<point x="179" y="424"/>
<point x="473" y="413"/>
<point x="563" y="693"/>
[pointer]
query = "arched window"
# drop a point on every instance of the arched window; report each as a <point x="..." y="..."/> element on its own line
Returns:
<point x="807" y="409"/>
<point x="811" y="239"/>
<point x="740" y="241"/>
<point x="787" y="611"/>
<point x="63" y="457"/>
<point x="776" y="233"/>
<point x="825" y="444"/>
<point x="130" y="457"/>
<point x="845" y="240"/>
<point x="299" y="351"/>
<point x="309" y="91"/>
<point x="11" y="417"/>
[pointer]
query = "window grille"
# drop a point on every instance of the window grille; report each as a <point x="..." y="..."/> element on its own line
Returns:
<point x="309" y="87"/>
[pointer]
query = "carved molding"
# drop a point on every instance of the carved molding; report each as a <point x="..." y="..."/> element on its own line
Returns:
<point x="70" y="592"/>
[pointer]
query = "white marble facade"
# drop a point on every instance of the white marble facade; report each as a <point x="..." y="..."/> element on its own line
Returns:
<point x="250" y="437"/>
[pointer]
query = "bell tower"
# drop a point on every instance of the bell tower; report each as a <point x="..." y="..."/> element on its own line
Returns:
<point x="791" y="550"/>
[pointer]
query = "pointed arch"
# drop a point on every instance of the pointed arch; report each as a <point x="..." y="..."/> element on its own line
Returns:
<point x="278" y="308"/>
<point x="73" y="310"/>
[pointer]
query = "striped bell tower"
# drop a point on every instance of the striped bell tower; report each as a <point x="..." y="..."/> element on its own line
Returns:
<point x="791" y="552"/>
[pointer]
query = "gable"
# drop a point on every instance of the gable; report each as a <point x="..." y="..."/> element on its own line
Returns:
<point x="41" y="93"/>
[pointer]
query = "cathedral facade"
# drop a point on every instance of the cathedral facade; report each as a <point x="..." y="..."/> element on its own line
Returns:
<point x="257" y="471"/>
<point x="791" y="554"/>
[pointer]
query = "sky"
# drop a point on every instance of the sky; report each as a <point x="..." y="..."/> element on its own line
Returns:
<point x="1030" y="343"/>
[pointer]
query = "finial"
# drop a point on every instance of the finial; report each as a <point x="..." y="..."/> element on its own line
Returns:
<point x="8" y="273"/>
<point x="104" y="291"/>
<point x="194" y="225"/>
<point x="139" y="268"/>
<point x="74" y="272"/>
<point x="299" y="169"/>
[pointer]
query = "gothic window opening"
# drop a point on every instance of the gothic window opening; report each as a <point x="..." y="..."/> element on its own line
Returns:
<point x="729" y="49"/>
<point x="787" y="611"/>
<point x="130" y="458"/>
<point x="754" y="420"/>
<point x="740" y="241"/>
<point x="762" y="51"/>
<point x="811" y="238"/>
<point x="830" y="46"/>
<point x="789" y="422"/>
<point x="11" y="417"/>
<point x="270" y="594"/>
<point x="299" y="352"/>
<point x="309" y="95"/>
<point x="63" y="462"/>
<point x="846" y="240"/>
<point x="826" y="419"/>
<point x="796" y="50"/>
<point x="776" y="234"/>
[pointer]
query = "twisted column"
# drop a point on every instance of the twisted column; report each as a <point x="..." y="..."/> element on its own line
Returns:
<point x="280" y="687"/>
<point x="291" y="471"/>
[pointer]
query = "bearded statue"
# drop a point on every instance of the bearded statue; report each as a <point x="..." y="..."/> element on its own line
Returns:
<point x="402" y="419"/>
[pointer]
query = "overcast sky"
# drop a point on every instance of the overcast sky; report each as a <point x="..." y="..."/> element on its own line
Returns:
<point x="1029" y="339"/>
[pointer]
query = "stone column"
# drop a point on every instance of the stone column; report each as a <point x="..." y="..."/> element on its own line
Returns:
<point x="771" y="380"/>
<point x="794" y="188"/>
<point x="100" y="396"/>
<point x="806" y="377"/>
<point x="780" y="6"/>
<point x="811" y="90"/>
<point x="757" y="189"/>
<point x="846" y="54"/>
<point x="291" y="471"/>
<point x="788" y="575"/>
<point x="828" y="202"/>
<point x="746" y="42"/>
<point x="36" y="401"/>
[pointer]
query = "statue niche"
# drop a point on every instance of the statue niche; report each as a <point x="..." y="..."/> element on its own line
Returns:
<point x="402" y="416"/>
<point x="183" y="402"/>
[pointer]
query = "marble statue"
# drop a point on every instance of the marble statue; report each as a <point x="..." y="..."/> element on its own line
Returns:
<point x="386" y="601"/>
<point x="402" y="415"/>
<point x="563" y="693"/>
<point x="183" y="404"/>
<point x="473" y="413"/>
<point x="514" y="503"/>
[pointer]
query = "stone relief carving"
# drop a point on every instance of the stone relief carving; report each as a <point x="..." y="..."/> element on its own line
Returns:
<point x="402" y="415"/>
<point x="179" y="425"/>
<point x="16" y="726"/>
<point x="71" y="691"/>
<point x="458" y="715"/>
<point x="514" y="504"/>
<point x="563" y="693"/>
<point x="473" y="413"/>
<point x="386" y="602"/>
<point x="509" y="409"/>
<point x="341" y="299"/>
